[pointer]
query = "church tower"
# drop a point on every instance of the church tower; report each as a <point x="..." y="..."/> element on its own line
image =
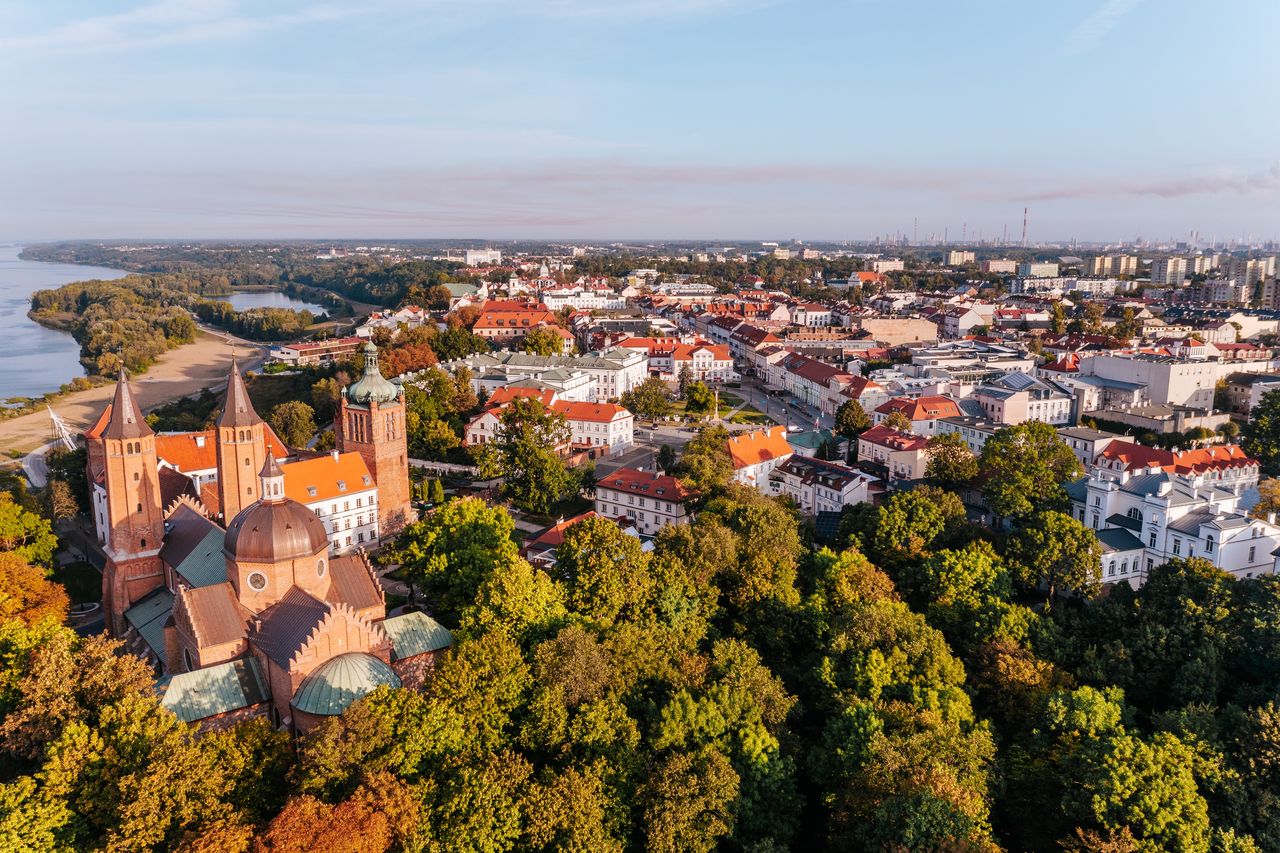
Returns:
<point x="240" y="439"/>
<point x="371" y="423"/>
<point x="134" y="510"/>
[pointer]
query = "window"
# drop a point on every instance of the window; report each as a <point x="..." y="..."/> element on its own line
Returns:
<point x="257" y="581"/>
<point x="139" y="509"/>
<point x="1208" y="544"/>
<point x="1177" y="546"/>
<point x="1252" y="550"/>
<point x="320" y="568"/>
<point x="1111" y="568"/>
<point x="1134" y="512"/>
<point x="1151" y="540"/>
<point x="188" y="660"/>
<point x="136" y="476"/>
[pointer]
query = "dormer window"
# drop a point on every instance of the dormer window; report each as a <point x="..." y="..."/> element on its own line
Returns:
<point x="342" y="485"/>
<point x="311" y="490"/>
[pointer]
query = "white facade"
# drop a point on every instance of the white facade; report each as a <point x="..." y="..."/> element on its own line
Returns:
<point x="1038" y="269"/>
<point x="650" y="501"/>
<point x="817" y="486"/>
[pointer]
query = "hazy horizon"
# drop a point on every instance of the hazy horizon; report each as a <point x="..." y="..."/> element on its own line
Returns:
<point x="573" y="121"/>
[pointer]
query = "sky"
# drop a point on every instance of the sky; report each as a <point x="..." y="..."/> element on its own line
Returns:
<point x="639" y="119"/>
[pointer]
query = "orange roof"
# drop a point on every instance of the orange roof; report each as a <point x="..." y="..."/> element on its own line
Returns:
<point x="1210" y="458"/>
<point x="684" y="352"/>
<point x="1134" y="456"/>
<point x="525" y="319"/>
<point x="752" y="448"/>
<point x="553" y="536"/>
<point x="921" y="408"/>
<point x="100" y="424"/>
<point x="597" y="412"/>
<point x="326" y="477"/>
<point x="197" y="451"/>
<point x="504" y="395"/>
<point x="645" y="482"/>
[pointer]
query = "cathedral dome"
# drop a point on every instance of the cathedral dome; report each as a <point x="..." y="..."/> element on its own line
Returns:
<point x="275" y="528"/>
<point x="372" y="386"/>
<point x="337" y="683"/>
<point x="274" y="532"/>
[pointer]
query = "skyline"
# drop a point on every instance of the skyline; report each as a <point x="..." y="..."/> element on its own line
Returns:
<point x="707" y="119"/>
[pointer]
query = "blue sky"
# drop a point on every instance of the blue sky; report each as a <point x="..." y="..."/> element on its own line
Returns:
<point x="692" y="119"/>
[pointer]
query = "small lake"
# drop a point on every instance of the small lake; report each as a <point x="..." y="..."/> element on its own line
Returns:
<point x="245" y="299"/>
<point x="33" y="359"/>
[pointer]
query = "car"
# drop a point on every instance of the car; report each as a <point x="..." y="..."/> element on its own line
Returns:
<point x="794" y="428"/>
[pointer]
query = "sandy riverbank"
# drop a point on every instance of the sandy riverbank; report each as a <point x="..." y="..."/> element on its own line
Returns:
<point x="177" y="373"/>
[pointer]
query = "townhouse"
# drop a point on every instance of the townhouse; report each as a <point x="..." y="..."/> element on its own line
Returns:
<point x="1016" y="398"/>
<point x="820" y="486"/>
<point x="756" y="453"/>
<point x="896" y="455"/>
<point x="647" y="500"/>
<point x="923" y="412"/>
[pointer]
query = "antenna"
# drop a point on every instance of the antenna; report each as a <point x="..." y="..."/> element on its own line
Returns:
<point x="915" y="229"/>
<point x="1024" y="227"/>
<point x="964" y="233"/>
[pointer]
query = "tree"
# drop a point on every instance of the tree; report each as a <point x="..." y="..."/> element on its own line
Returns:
<point x="25" y="533"/>
<point x="60" y="503"/>
<point x="528" y="442"/>
<point x="294" y="421"/>
<point x="851" y="419"/>
<point x="1024" y="469"/>
<point x="1262" y="434"/>
<point x="898" y="421"/>
<point x="698" y="398"/>
<point x="542" y="340"/>
<point x="684" y="379"/>
<point x="26" y="594"/>
<point x="430" y="439"/>
<point x="1055" y="551"/>
<point x="706" y="464"/>
<point x="688" y="802"/>
<point x="606" y="570"/>
<point x="951" y="464"/>
<point x="436" y="495"/>
<point x="326" y="395"/>
<point x="666" y="458"/>
<point x="650" y="399"/>
<point x="451" y="552"/>
<point x="1268" y="498"/>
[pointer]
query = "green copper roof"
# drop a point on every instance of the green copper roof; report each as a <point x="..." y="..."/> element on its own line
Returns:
<point x="205" y="565"/>
<point x="414" y="634"/>
<point x="337" y="683"/>
<point x="372" y="386"/>
<point x="214" y="690"/>
<point x="148" y="617"/>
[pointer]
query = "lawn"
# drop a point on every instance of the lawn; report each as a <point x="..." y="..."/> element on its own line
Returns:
<point x="750" y="416"/>
<point x="82" y="581"/>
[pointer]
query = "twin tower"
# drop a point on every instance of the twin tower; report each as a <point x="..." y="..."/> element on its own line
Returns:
<point x="125" y="473"/>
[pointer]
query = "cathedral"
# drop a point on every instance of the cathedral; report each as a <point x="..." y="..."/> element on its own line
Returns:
<point x="238" y="566"/>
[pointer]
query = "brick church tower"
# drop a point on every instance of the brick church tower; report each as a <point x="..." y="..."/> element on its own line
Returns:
<point x="135" y="516"/>
<point x="371" y="423"/>
<point x="240" y="439"/>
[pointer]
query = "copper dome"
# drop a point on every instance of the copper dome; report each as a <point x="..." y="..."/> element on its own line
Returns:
<point x="272" y="532"/>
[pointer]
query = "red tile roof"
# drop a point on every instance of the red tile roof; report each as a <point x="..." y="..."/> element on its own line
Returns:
<point x="647" y="483"/>
<point x="887" y="436"/>
<point x="757" y="446"/>
<point x="921" y="408"/>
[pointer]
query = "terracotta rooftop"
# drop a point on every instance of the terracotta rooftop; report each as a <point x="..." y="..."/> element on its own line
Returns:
<point x="757" y="446"/>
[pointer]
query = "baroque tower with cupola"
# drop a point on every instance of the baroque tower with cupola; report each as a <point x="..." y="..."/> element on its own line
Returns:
<point x="240" y="438"/>
<point x="126" y="452"/>
<point x="371" y="423"/>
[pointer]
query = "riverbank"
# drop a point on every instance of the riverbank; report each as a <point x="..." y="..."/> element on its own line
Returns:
<point x="177" y="373"/>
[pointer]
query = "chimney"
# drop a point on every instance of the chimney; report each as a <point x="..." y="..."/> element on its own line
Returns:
<point x="335" y="455"/>
<point x="1271" y="518"/>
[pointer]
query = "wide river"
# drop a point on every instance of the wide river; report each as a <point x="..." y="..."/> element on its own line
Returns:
<point x="35" y="360"/>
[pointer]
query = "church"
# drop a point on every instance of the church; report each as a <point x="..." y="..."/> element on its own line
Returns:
<point x="238" y="566"/>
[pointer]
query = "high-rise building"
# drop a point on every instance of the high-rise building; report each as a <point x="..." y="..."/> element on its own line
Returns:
<point x="958" y="258"/>
<point x="999" y="265"/>
<point x="1169" y="271"/>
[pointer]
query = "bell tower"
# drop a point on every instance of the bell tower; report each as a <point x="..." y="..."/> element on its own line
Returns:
<point x="240" y="440"/>
<point x="371" y="423"/>
<point x="134" y="510"/>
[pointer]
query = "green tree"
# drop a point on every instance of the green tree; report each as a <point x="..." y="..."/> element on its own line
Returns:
<point x="899" y="421"/>
<point x="528" y="441"/>
<point x="706" y="464"/>
<point x="606" y="570"/>
<point x="451" y="552"/>
<point x="1024" y="470"/>
<point x="698" y="398"/>
<point x="542" y="340"/>
<point x="666" y="458"/>
<point x="1057" y="552"/>
<point x="294" y="421"/>
<point x="1262" y="434"/>
<point x="436" y="495"/>
<point x="851" y="419"/>
<point x="688" y="802"/>
<point x="650" y="399"/>
<point x="25" y="533"/>
<point x="951" y="464"/>
<point x="326" y="395"/>
<point x="684" y="379"/>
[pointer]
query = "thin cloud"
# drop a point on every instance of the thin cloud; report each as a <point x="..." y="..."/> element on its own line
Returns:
<point x="1094" y="28"/>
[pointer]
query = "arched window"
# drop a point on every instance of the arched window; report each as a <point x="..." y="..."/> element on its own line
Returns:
<point x="1135" y="513"/>
<point x="248" y="490"/>
<point x="188" y="660"/>
<point x="246" y="462"/>
<point x="139" y="509"/>
<point x="143" y="543"/>
<point x="136" y="476"/>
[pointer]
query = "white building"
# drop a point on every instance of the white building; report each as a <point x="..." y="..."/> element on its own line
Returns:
<point x="755" y="454"/>
<point x="999" y="265"/>
<point x="1038" y="269"/>
<point x="884" y="265"/>
<point x="338" y="488"/>
<point x="482" y="257"/>
<point x="958" y="258"/>
<point x="651" y="501"/>
<point x="611" y="373"/>
<point x="582" y="299"/>
<point x="1148" y="519"/>
<point x="1016" y="398"/>
<point x="819" y="486"/>
<point x="1169" y="271"/>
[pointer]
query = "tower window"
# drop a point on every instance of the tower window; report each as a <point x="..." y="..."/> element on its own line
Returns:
<point x="136" y="476"/>
<point x="248" y="490"/>
<point x="246" y="462"/>
<point x="139" y="509"/>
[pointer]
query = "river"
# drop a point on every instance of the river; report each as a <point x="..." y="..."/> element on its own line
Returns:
<point x="33" y="359"/>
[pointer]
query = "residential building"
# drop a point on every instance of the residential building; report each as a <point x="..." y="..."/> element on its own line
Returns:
<point x="1168" y="271"/>
<point x="1087" y="444"/>
<point x="1016" y="398"/>
<point x="650" y="501"/>
<point x="958" y="258"/>
<point x="482" y="257"/>
<point x="973" y="431"/>
<point x="820" y="486"/>
<point x="1167" y="380"/>
<point x="1245" y="390"/>
<point x="316" y="352"/>
<point x="1114" y="265"/>
<point x="608" y="374"/>
<point x="1038" y="269"/>
<point x="999" y="266"/>
<point x="897" y="455"/>
<point x="756" y="453"/>
<point x="1224" y="466"/>
<point x="923" y="412"/>
<point x="884" y="265"/>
